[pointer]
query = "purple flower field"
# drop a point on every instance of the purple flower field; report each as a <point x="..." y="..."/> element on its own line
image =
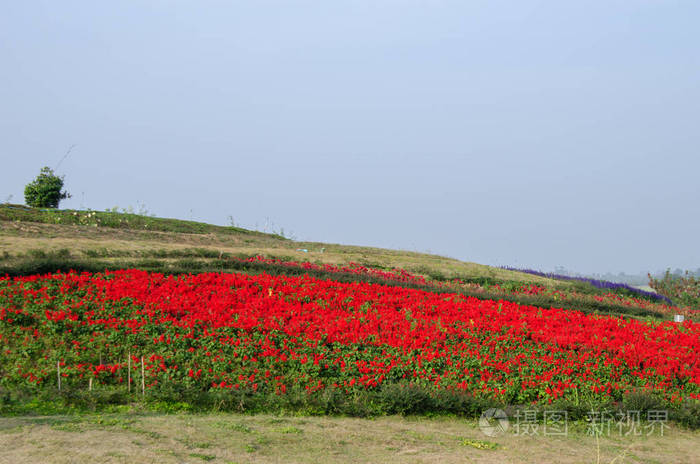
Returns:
<point x="602" y="284"/>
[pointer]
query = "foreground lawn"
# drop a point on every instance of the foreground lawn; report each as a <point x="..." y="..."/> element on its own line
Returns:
<point x="233" y="438"/>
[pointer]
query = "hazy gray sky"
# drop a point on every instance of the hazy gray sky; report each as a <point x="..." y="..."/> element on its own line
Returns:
<point x="526" y="133"/>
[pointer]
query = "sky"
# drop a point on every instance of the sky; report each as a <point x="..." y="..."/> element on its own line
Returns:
<point x="518" y="133"/>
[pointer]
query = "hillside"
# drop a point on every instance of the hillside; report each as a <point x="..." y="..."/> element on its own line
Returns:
<point x="118" y="236"/>
<point x="306" y="330"/>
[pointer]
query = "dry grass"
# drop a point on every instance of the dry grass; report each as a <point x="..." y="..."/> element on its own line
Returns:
<point x="17" y="238"/>
<point x="230" y="438"/>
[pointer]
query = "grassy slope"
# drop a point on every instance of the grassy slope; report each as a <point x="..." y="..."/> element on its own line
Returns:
<point x="115" y="235"/>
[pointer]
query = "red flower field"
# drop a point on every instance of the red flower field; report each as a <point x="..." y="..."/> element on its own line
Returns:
<point x="268" y="334"/>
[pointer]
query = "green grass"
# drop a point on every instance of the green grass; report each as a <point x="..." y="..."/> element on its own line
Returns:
<point x="116" y="220"/>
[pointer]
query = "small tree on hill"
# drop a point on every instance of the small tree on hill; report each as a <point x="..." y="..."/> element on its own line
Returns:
<point x="45" y="190"/>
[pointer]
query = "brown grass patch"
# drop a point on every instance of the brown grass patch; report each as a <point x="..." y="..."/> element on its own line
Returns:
<point x="226" y="438"/>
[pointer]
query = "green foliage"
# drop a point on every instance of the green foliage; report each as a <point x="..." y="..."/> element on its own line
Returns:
<point x="405" y="398"/>
<point x="642" y="402"/>
<point x="119" y="220"/>
<point x="682" y="289"/>
<point x="688" y="414"/>
<point x="415" y="400"/>
<point x="46" y="190"/>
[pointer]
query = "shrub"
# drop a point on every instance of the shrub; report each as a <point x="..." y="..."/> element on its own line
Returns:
<point x="45" y="190"/>
<point x="642" y="401"/>
<point x="688" y="413"/>
<point x="405" y="398"/>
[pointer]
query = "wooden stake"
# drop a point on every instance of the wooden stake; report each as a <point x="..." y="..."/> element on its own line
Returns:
<point x="58" y="370"/>
<point x="143" y="379"/>
<point x="129" y="363"/>
<point x="90" y="384"/>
